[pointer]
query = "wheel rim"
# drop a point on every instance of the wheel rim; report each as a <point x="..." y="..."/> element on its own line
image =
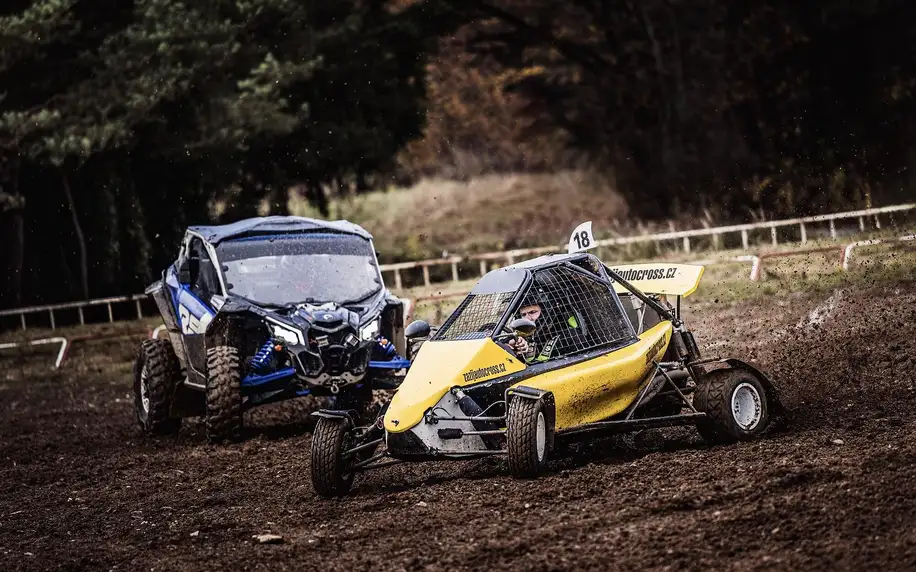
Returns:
<point x="541" y="436"/>
<point x="144" y="388"/>
<point x="746" y="406"/>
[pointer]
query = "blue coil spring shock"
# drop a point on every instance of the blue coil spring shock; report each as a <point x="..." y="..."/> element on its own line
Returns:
<point x="387" y="348"/>
<point x="261" y="360"/>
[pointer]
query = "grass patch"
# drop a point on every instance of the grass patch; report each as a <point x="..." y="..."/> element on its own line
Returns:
<point x="493" y="212"/>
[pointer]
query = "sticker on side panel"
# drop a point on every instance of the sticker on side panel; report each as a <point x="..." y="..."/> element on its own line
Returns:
<point x="191" y="324"/>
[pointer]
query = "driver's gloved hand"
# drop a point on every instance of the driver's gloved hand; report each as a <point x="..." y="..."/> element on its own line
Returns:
<point x="519" y="345"/>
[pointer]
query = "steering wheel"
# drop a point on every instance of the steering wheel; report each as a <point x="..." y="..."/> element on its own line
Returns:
<point x="505" y="334"/>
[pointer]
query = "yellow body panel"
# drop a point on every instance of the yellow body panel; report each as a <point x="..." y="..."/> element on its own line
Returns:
<point x="583" y="393"/>
<point x="604" y="386"/>
<point x="440" y="366"/>
<point x="660" y="278"/>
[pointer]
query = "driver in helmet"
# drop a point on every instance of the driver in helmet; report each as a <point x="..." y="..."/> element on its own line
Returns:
<point x="542" y="342"/>
<point x="521" y="347"/>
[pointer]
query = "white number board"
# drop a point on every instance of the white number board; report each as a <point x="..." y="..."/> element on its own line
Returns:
<point x="582" y="238"/>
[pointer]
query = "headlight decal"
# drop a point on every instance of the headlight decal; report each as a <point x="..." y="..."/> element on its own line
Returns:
<point x="285" y="333"/>
<point x="370" y="330"/>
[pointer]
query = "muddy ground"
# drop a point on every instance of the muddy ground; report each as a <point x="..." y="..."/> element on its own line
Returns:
<point x="833" y="489"/>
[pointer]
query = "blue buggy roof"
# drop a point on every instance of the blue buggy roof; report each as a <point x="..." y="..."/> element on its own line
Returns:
<point x="276" y="224"/>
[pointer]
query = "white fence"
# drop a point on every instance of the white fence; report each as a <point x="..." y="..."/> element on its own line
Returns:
<point x="681" y="239"/>
<point x="135" y="301"/>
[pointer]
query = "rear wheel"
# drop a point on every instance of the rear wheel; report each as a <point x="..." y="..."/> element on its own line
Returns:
<point x="735" y="404"/>
<point x="224" y="394"/>
<point x="332" y="475"/>
<point x="156" y="374"/>
<point x="527" y="436"/>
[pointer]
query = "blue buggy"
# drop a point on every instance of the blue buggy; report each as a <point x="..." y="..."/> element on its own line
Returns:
<point x="263" y="310"/>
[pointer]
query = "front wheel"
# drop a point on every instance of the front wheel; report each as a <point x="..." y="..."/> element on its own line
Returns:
<point x="528" y="437"/>
<point x="735" y="404"/>
<point x="332" y="475"/>
<point x="224" y="394"/>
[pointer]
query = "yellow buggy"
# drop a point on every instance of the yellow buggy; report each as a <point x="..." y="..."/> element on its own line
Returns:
<point x="606" y="352"/>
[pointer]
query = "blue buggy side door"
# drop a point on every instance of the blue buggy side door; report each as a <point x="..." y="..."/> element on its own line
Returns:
<point x="193" y="308"/>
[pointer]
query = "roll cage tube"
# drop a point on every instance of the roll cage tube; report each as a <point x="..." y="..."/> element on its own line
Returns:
<point x="671" y="316"/>
<point x="522" y="289"/>
<point x="516" y="299"/>
<point x="183" y="255"/>
<point x="529" y="278"/>
<point x="603" y="280"/>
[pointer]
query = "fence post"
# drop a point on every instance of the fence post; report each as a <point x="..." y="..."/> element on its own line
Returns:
<point x="397" y="278"/>
<point x="877" y="222"/>
<point x="716" y="241"/>
<point x="862" y="223"/>
<point x="22" y="319"/>
<point x="744" y="238"/>
<point x="139" y="310"/>
<point x="426" y="274"/>
<point x="773" y="235"/>
<point x="483" y="267"/>
<point x="804" y="234"/>
<point x="454" y="271"/>
<point x="110" y="314"/>
<point x="53" y="324"/>
<point x="82" y="317"/>
<point x="687" y="244"/>
<point x="832" y="229"/>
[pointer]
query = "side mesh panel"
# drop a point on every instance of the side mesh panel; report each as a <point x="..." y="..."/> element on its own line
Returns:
<point x="577" y="312"/>
<point x="476" y="317"/>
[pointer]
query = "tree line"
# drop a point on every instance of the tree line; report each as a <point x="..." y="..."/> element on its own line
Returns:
<point x="772" y="106"/>
<point x="123" y="121"/>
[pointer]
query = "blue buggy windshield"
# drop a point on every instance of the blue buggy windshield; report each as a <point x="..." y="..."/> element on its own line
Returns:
<point x="281" y="270"/>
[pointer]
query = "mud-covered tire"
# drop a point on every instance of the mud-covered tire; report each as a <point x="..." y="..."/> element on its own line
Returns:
<point x="331" y="474"/>
<point x="156" y="374"/>
<point x="527" y="437"/>
<point x="735" y="404"/>
<point x="224" y="394"/>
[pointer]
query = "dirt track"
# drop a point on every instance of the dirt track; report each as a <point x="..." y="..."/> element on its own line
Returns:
<point x="81" y="489"/>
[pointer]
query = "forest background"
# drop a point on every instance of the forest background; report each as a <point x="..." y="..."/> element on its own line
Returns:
<point x="440" y="125"/>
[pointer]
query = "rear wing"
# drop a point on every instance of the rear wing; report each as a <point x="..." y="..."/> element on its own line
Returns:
<point x="659" y="278"/>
